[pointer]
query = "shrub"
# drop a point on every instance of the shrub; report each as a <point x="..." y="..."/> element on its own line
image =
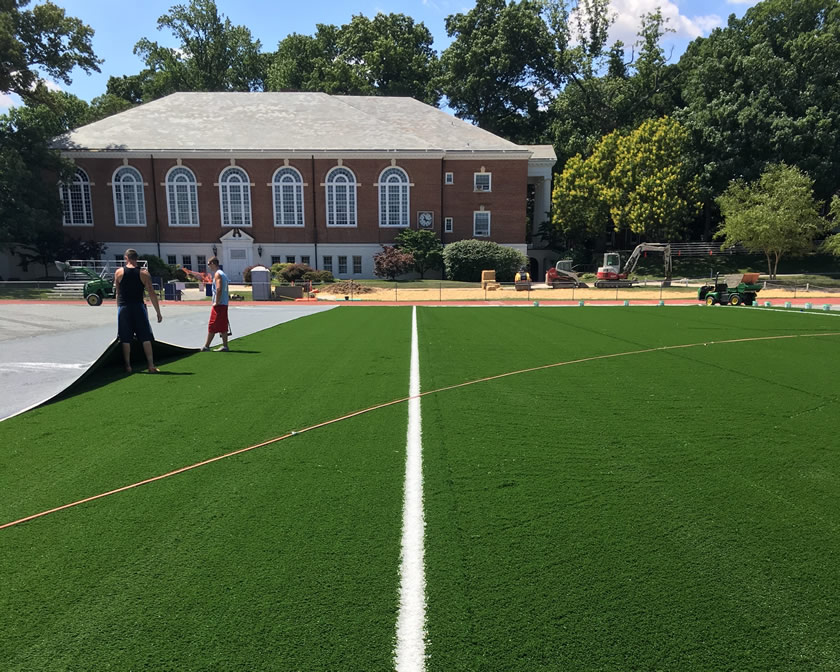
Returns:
<point x="157" y="267"/>
<point x="319" y="276"/>
<point x="465" y="259"/>
<point x="392" y="262"/>
<point x="246" y="274"/>
<point x="294" y="272"/>
<point x="277" y="270"/>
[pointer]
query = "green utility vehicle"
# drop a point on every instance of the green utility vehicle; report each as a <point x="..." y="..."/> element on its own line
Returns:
<point x="733" y="290"/>
<point x="97" y="287"/>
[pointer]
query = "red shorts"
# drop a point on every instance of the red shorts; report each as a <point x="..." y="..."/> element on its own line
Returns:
<point x="218" y="320"/>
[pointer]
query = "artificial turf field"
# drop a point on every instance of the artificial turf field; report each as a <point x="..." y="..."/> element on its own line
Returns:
<point x="675" y="509"/>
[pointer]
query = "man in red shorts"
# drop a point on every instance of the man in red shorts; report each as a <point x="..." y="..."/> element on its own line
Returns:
<point x="219" y="310"/>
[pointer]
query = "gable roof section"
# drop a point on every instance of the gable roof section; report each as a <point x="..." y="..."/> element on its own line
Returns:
<point x="292" y="122"/>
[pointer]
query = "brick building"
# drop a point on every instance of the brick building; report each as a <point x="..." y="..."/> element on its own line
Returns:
<point x="303" y="177"/>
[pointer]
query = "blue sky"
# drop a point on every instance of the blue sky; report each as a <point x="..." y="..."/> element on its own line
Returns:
<point x="119" y="25"/>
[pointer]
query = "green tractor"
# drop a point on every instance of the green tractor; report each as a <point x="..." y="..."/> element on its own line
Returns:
<point x="97" y="287"/>
<point x="732" y="290"/>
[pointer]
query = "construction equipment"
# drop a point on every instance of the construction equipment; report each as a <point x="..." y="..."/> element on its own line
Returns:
<point x="562" y="275"/>
<point x="733" y="290"/>
<point x="522" y="280"/>
<point x="611" y="274"/>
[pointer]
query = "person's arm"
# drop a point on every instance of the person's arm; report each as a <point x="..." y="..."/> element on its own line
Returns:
<point x="217" y="279"/>
<point x="147" y="282"/>
<point x="117" y="277"/>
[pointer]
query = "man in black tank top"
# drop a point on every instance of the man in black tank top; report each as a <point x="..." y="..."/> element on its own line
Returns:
<point x="130" y="283"/>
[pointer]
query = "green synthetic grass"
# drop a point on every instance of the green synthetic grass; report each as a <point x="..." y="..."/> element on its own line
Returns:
<point x="670" y="510"/>
<point x="285" y="558"/>
<point x="683" y="517"/>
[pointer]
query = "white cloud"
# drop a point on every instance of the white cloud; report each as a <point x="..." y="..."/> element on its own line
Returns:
<point x="628" y="13"/>
<point x="741" y="2"/>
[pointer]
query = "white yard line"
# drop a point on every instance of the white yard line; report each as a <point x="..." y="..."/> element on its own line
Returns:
<point x="410" y="654"/>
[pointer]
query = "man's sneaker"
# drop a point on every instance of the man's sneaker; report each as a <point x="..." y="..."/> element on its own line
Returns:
<point x="224" y="348"/>
<point x="205" y="349"/>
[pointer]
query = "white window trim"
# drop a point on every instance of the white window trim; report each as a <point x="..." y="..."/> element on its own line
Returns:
<point x="448" y="224"/>
<point x="489" y="183"/>
<point x="299" y="185"/>
<point x="115" y="185"/>
<point x="489" y="219"/>
<point x="330" y="195"/>
<point x="449" y="178"/>
<point x="224" y="185"/>
<point x="405" y="216"/>
<point x="84" y="185"/>
<point x="170" y="210"/>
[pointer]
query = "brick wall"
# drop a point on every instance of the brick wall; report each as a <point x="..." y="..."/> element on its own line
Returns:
<point x="506" y="201"/>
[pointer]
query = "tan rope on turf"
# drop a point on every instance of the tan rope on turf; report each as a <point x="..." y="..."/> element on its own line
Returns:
<point x="393" y="403"/>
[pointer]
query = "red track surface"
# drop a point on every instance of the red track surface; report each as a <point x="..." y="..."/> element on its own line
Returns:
<point x="816" y="303"/>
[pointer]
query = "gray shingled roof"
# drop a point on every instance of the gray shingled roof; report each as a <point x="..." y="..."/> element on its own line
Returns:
<point x="283" y="122"/>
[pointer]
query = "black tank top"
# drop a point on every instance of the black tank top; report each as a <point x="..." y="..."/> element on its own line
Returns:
<point x="131" y="287"/>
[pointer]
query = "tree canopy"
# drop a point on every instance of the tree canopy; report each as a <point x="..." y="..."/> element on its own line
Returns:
<point x="776" y="214"/>
<point x="213" y="55"/>
<point x="764" y="89"/>
<point x="41" y="40"/>
<point x="637" y="181"/>
<point x="389" y="55"/>
<point x="498" y="71"/>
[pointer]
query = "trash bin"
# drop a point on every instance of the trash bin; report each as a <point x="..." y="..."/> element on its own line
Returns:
<point x="171" y="292"/>
<point x="261" y="283"/>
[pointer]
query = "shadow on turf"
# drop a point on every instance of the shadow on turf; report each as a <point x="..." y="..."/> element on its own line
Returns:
<point x="109" y="367"/>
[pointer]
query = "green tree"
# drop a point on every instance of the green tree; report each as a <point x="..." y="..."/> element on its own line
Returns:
<point x="776" y="214"/>
<point x="638" y="181"/>
<point x="391" y="262"/>
<point x="651" y="190"/>
<point x="30" y="209"/>
<point x="832" y="243"/>
<point x="314" y="63"/>
<point x="498" y="70"/>
<point x="389" y="55"/>
<point x="424" y="247"/>
<point x="393" y="55"/>
<point x="763" y="90"/>
<point x="579" y="210"/>
<point x="213" y="55"/>
<point x="601" y="91"/>
<point x="43" y="39"/>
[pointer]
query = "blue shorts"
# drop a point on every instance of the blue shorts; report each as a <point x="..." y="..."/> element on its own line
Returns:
<point x="134" y="319"/>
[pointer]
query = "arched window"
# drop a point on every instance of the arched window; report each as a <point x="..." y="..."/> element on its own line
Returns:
<point x="235" y="196"/>
<point x="288" y="197"/>
<point x="129" y="205"/>
<point x="182" y="197"/>
<point x="341" y="197"/>
<point x="393" y="197"/>
<point x="75" y="197"/>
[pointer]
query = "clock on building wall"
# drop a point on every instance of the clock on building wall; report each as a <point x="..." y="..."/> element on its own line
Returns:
<point x="425" y="220"/>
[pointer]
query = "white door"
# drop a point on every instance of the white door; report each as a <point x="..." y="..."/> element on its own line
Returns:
<point x="236" y="261"/>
